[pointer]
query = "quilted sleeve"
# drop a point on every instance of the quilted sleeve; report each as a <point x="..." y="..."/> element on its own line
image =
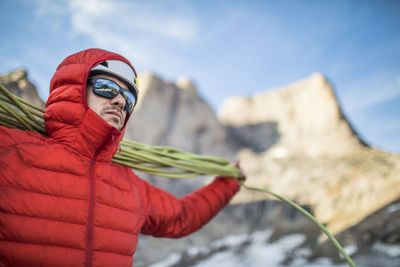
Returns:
<point x="168" y="216"/>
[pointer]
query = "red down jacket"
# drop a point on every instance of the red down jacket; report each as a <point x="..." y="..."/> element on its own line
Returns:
<point x="64" y="203"/>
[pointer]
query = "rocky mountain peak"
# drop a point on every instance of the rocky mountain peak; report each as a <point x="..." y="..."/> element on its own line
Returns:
<point x="310" y="120"/>
<point x="174" y="114"/>
<point x="17" y="82"/>
<point x="185" y="83"/>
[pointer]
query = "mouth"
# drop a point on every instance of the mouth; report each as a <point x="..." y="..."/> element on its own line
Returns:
<point x="114" y="113"/>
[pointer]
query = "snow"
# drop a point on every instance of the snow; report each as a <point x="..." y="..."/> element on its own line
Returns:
<point x="257" y="253"/>
<point x="171" y="260"/>
<point x="350" y="249"/>
<point x="389" y="250"/>
<point x="393" y="208"/>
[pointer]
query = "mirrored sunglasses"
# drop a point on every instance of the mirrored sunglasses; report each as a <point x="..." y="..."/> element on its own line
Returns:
<point x="109" y="89"/>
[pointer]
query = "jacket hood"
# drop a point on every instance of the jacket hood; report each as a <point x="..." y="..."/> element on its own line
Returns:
<point x="68" y="119"/>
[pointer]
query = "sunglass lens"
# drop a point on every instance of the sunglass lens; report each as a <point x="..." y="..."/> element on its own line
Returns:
<point x="105" y="88"/>
<point x="130" y="100"/>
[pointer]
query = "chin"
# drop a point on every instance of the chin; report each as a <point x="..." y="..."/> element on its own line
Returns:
<point x="115" y="125"/>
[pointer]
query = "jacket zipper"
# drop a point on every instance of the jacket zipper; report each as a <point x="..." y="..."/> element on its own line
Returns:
<point x="92" y="200"/>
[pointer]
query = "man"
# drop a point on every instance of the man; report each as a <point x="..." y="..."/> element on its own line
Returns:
<point x="62" y="201"/>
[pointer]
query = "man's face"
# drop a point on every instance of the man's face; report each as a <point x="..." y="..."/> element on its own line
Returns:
<point x="111" y="110"/>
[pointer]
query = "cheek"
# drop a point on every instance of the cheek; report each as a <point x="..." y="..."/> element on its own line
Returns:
<point x="90" y="101"/>
<point x="95" y="102"/>
<point x="89" y="97"/>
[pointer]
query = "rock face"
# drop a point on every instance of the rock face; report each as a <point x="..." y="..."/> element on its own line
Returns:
<point x="17" y="82"/>
<point x="170" y="114"/>
<point x="319" y="160"/>
<point x="374" y="242"/>
<point x="309" y="118"/>
<point x="174" y="115"/>
<point x="294" y="141"/>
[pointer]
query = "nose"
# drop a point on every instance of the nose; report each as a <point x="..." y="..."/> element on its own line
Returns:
<point x="119" y="101"/>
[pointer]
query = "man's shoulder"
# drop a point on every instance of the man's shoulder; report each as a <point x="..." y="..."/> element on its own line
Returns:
<point x="10" y="137"/>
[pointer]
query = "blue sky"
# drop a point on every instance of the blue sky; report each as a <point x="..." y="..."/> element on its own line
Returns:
<point x="227" y="47"/>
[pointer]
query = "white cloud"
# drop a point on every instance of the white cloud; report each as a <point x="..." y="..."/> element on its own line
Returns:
<point x="364" y="103"/>
<point x="137" y="30"/>
<point x="372" y="90"/>
<point x="94" y="17"/>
